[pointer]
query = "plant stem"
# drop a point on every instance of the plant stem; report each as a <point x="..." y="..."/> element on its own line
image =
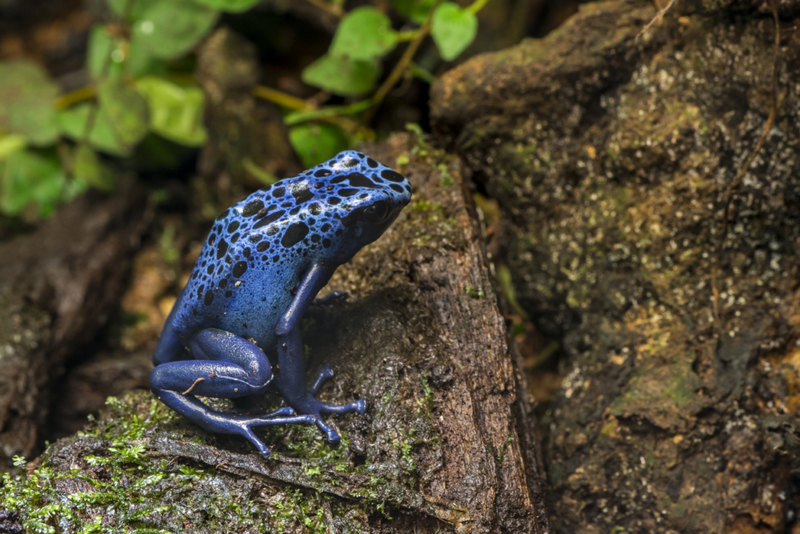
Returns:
<point x="477" y="5"/>
<point x="280" y="98"/>
<point x="406" y="35"/>
<point x="74" y="97"/>
<point x="327" y="112"/>
<point x="405" y="60"/>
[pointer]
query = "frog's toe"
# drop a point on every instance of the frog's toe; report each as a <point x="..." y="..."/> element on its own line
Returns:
<point x="359" y="406"/>
<point x="263" y="450"/>
<point x="282" y="416"/>
<point x="325" y="374"/>
<point x="331" y="435"/>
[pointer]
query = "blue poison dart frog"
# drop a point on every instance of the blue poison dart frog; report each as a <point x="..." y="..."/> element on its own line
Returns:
<point x="262" y="265"/>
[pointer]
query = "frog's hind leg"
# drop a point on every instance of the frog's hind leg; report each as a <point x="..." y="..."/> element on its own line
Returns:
<point x="228" y="366"/>
<point x="292" y="380"/>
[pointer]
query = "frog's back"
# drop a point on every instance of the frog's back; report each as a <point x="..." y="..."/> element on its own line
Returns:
<point x="259" y="249"/>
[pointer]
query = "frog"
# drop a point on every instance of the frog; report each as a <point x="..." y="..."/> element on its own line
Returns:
<point x="259" y="271"/>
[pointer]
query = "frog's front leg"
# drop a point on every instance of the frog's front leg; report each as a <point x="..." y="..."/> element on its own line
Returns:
<point x="226" y="366"/>
<point x="292" y="380"/>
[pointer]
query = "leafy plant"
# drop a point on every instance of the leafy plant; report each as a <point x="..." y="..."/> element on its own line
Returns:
<point x="53" y="147"/>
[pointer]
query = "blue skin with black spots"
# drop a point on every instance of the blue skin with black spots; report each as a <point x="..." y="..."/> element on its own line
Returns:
<point x="264" y="262"/>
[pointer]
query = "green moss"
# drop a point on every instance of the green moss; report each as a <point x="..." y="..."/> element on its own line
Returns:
<point x="308" y="444"/>
<point x="132" y="484"/>
<point x="474" y="293"/>
<point x="501" y="454"/>
<point x="426" y="403"/>
<point x="445" y="178"/>
<point x="425" y="205"/>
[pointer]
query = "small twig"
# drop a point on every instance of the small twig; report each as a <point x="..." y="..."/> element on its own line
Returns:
<point x="657" y="18"/>
<point x="280" y="98"/>
<point x="405" y="60"/>
<point x="327" y="112"/>
<point x="477" y="5"/>
<point x="201" y="379"/>
<point x="74" y="97"/>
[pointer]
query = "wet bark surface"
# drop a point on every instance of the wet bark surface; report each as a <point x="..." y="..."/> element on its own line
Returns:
<point x="57" y="288"/>
<point x="670" y="280"/>
<point x="446" y="443"/>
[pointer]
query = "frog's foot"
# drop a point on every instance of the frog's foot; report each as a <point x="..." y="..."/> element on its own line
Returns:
<point x="226" y="423"/>
<point x="317" y="409"/>
<point x="231" y="367"/>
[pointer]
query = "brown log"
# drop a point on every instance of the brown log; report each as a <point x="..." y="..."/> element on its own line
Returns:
<point x="445" y="446"/>
<point x="650" y="195"/>
<point x="57" y="288"/>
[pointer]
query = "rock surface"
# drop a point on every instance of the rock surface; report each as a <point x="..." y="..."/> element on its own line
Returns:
<point x="445" y="446"/>
<point x="677" y="310"/>
<point x="57" y="287"/>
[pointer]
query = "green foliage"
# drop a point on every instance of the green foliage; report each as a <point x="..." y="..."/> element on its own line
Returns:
<point x="364" y="34"/>
<point x="126" y="109"/>
<point x="315" y="143"/>
<point x="175" y="112"/>
<point x="134" y="99"/>
<point x="26" y="95"/>
<point x="31" y="177"/>
<point x="233" y="6"/>
<point x="72" y="123"/>
<point x="341" y="75"/>
<point x="416" y="10"/>
<point x="90" y="170"/>
<point x="169" y="30"/>
<point x="453" y="29"/>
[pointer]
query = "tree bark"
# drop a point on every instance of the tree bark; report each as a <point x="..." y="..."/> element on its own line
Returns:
<point x="447" y="443"/>
<point x="665" y="267"/>
<point x="57" y="288"/>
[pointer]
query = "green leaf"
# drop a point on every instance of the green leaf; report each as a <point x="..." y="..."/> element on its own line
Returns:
<point x="72" y="123"/>
<point x="364" y="34"/>
<point x="11" y="143"/>
<point x="315" y="143"/>
<point x="416" y="10"/>
<point x="453" y="29"/>
<point x="169" y="29"/>
<point x="26" y="102"/>
<point x="232" y="6"/>
<point x="175" y="112"/>
<point x="100" y="46"/>
<point x="126" y="109"/>
<point x="340" y="75"/>
<point x="90" y="170"/>
<point x="31" y="176"/>
<point x="136" y="62"/>
<point x="137" y="8"/>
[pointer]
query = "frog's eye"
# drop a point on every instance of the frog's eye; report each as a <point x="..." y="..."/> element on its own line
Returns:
<point x="376" y="212"/>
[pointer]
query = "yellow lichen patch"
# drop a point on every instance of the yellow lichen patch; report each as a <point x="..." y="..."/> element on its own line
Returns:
<point x="790" y="368"/>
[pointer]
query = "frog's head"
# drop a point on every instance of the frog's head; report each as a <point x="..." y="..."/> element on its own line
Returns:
<point x="364" y="196"/>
